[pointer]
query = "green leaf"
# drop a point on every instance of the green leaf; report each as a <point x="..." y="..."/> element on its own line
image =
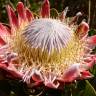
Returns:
<point x="92" y="32"/>
<point x="89" y="90"/>
<point x="93" y="70"/>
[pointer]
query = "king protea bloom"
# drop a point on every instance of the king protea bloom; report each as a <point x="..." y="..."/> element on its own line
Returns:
<point x="41" y="49"/>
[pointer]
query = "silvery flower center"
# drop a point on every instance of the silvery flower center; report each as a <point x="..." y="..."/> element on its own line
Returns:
<point x="47" y="34"/>
<point x="48" y="44"/>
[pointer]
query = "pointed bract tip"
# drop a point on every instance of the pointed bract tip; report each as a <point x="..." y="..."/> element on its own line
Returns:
<point x="12" y="17"/>
<point x="4" y="30"/>
<point x="92" y="40"/>
<point x="46" y="1"/>
<point x="29" y="15"/>
<point x="75" y="19"/>
<point x="20" y="5"/>
<point x="45" y="9"/>
<point x="82" y="29"/>
<point x="2" y="42"/>
<point x="79" y="14"/>
<point x="36" y="76"/>
<point x="21" y="12"/>
<point x="63" y="14"/>
<point x="86" y="75"/>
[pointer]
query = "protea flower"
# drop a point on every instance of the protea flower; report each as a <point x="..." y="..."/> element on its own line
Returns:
<point x="45" y="50"/>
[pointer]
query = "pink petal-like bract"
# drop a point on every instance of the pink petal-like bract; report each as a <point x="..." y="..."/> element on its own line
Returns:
<point x="37" y="77"/>
<point x="45" y="10"/>
<point x="21" y="12"/>
<point x="10" y="72"/>
<point x="29" y="15"/>
<point x="82" y="29"/>
<point x="92" y="40"/>
<point x="86" y="75"/>
<point x="2" y="42"/>
<point x="12" y="17"/>
<point x="71" y="74"/>
<point x="3" y="30"/>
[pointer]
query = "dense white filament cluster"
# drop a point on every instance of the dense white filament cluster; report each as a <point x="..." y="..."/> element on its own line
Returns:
<point x="47" y="34"/>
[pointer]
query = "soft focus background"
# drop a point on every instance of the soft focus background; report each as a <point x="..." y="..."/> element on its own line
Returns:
<point x="87" y="7"/>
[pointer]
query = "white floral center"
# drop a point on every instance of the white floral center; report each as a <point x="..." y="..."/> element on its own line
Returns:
<point x="47" y="34"/>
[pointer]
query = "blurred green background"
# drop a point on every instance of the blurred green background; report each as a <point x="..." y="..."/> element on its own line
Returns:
<point x="87" y="7"/>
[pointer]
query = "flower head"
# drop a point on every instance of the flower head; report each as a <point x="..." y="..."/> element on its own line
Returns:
<point x="46" y="50"/>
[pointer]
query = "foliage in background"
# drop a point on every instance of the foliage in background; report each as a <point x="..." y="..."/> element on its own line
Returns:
<point x="34" y="5"/>
<point x="74" y="7"/>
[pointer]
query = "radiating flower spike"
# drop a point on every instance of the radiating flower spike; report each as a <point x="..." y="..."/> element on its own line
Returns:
<point x="21" y="12"/>
<point x="63" y="14"/>
<point x="45" y="9"/>
<point x="29" y="15"/>
<point x="12" y="18"/>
